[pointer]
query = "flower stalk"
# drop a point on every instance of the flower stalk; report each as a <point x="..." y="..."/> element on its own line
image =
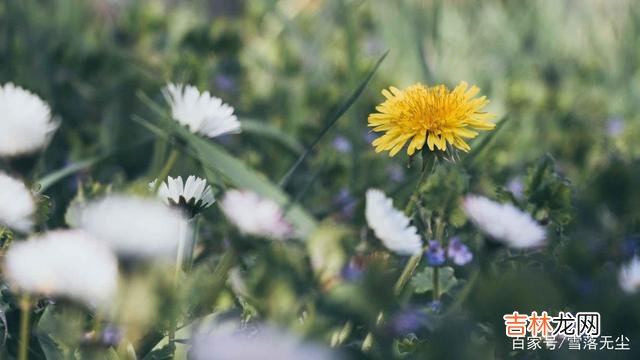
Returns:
<point x="184" y="258"/>
<point x="25" y="322"/>
<point x="436" y="283"/>
<point x="410" y="266"/>
<point x="190" y="245"/>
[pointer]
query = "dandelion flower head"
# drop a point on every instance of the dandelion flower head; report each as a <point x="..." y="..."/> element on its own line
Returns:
<point x="434" y="115"/>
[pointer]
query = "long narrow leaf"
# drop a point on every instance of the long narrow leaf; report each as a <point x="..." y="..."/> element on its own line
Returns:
<point x="52" y="178"/>
<point x="266" y="130"/>
<point x="332" y="120"/>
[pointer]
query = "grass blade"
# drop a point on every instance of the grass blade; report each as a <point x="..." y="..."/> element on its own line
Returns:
<point x="332" y="120"/>
<point x="52" y="178"/>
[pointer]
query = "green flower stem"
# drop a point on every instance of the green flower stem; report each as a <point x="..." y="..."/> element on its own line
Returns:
<point x="25" y="322"/>
<point x="411" y="265"/>
<point x="227" y="262"/>
<point x="185" y="246"/>
<point x="97" y="324"/>
<point x="436" y="283"/>
<point x="190" y="245"/>
<point x="439" y="235"/>
<point x="166" y="169"/>
<point x="464" y="293"/>
<point x="413" y="261"/>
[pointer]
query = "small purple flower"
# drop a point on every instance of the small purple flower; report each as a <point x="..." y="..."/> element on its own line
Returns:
<point x="631" y="245"/>
<point x="435" y="253"/>
<point x="369" y="136"/>
<point x="458" y="252"/>
<point x="615" y="126"/>
<point x="516" y="187"/>
<point x="341" y="144"/>
<point x="352" y="271"/>
<point x="396" y="173"/>
<point x="225" y="82"/>
<point x="435" y="306"/>
<point x="346" y="202"/>
<point x="111" y="335"/>
<point x="408" y="321"/>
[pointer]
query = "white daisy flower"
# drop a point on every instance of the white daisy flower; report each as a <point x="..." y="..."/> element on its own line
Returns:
<point x="629" y="276"/>
<point x="195" y="195"/>
<point x="255" y="215"/>
<point x="227" y="342"/>
<point x="390" y="225"/>
<point x="65" y="263"/>
<point x="133" y="226"/>
<point x="200" y="112"/>
<point x="504" y="223"/>
<point x="17" y="204"/>
<point x="25" y="121"/>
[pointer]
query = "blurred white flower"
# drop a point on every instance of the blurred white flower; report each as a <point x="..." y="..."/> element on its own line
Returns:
<point x="65" y="263"/>
<point x="227" y="342"/>
<point x="133" y="226"/>
<point x="25" y="121"/>
<point x="255" y="215"/>
<point x="17" y="204"/>
<point x="200" y="112"/>
<point x="504" y="222"/>
<point x="629" y="276"/>
<point x="194" y="195"/>
<point x="390" y="225"/>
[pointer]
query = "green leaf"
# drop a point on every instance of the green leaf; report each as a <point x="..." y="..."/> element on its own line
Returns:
<point x="96" y="353"/>
<point x="233" y="169"/>
<point x="52" y="178"/>
<point x="164" y="353"/>
<point x="267" y="130"/>
<point x="6" y="237"/>
<point x="57" y="175"/>
<point x="332" y="120"/>
<point x="549" y="192"/>
<point x="49" y="347"/>
<point x="423" y="281"/>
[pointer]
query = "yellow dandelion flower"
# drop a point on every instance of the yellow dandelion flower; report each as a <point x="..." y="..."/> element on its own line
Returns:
<point x="434" y="115"/>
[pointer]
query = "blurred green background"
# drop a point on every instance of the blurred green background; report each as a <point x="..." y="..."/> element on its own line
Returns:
<point x="563" y="76"/>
